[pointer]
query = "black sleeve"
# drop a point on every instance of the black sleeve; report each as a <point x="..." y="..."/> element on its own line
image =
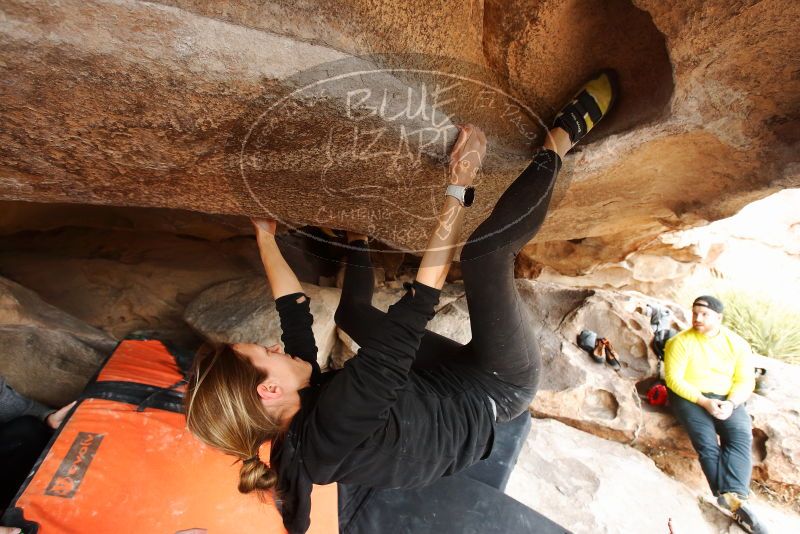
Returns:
<point x="13" y="405"/>
<point x="296" y="321"/>
<point x="355" y="403"/>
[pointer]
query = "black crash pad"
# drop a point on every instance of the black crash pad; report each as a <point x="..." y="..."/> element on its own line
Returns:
<point x="470" y="502"/>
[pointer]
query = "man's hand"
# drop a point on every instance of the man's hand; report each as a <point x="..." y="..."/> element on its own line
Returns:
<point x="719" y="409"/>
<point x="467" y="155"/>
<point x="725" y="411"/>
<point x="264" y="225"/>
<point x="55" y="419"/>
<point x="9" y="530"/>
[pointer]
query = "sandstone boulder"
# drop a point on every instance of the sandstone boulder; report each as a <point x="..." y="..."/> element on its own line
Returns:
<point x="49" y="366"/>
<point x="589" y="484"/>
<point x="574" y="388"/>
<point x="46" y="354"/>
<point x="121" y="280"/>
<point x="171" y="104"/>
<point x="20" y="306"/>
<point x="717" y="257"/>
<point x="243" y="311"/>
<point x="776" y="423"/>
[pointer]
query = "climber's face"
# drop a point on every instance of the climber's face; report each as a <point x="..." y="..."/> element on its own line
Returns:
<point x="705" y="320"/>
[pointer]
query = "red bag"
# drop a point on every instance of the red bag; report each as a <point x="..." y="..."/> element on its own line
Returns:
<point x="657" y="395"/>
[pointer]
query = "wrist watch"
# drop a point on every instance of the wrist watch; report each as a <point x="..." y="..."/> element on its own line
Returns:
<point x="464" y="194"/>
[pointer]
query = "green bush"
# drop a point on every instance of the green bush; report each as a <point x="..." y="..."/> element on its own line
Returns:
<point x="772" y="328"/>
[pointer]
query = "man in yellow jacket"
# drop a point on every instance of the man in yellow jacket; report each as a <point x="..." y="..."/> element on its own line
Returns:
<point x="709" y="376"/>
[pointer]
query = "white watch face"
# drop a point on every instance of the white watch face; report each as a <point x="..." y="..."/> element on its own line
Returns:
<point x="465" y="195"/>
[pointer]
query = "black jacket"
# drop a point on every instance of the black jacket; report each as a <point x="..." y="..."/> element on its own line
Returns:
<point x="377" y="422"/>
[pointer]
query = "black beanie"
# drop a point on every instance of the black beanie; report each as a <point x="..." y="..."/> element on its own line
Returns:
<point x="712" y="303"/>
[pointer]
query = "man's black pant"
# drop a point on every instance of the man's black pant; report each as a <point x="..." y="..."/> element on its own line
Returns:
<point x="22" y="440"/>
<point x="727" y="461"/>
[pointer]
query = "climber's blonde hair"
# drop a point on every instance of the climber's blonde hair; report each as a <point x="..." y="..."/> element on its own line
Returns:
<point x="223" y="410"/>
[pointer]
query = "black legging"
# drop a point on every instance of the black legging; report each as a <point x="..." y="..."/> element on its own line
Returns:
<point x="22" y="440"/>
<point x="503" y="344"/>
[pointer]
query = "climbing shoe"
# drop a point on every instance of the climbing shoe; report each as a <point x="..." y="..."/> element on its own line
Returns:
<point x="746" y="519"/>
<point x="598" y="354"/>
<point x="589" y="106"/>
<point x="587" y="340"/>
<point x="741" y="513"/>
<point x="729" y="501"/>
<point x="612" y="358"/>
<point x="332" y="233"/>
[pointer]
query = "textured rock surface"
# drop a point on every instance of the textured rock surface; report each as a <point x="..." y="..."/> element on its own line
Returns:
<point x="46" y="354"/>
<point x="22" y="307"/>
<point x="243" y="311"/>
<point x="17" y="216"/>
<point x="120" y="280"/>
<point x="146" y="104"/>
<point x="756" y="251"/>
<point x="589" y="484"/>
<point x="573" y="388"/>
<point x="776" y="418"/>
<point x="47" y="365"/>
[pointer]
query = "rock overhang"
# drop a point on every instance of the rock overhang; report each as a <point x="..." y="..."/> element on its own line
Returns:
<point x="129" y="104"/>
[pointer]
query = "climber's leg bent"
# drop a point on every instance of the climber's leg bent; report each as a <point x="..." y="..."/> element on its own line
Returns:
<point x="503" y="340"/>
<point x="355" y="313"/>
<point x="359" y="318"/>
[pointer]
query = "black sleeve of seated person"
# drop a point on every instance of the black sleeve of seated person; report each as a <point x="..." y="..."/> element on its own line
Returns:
<point x="356" y="402"/>
<point x="296" y="321"/>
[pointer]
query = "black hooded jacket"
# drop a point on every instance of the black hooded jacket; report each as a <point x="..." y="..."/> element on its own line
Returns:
<point x="377" y="422"/>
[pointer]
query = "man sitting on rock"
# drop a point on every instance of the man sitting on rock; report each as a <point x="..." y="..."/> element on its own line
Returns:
<point x="709" y="377"/>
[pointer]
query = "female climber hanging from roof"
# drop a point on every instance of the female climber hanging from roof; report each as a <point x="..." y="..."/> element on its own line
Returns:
<point x="411" y="406"/>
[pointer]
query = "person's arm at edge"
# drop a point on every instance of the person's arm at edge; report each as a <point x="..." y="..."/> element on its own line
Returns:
<point x="744" y="380"/>
<point x="465" y="162"/>
<point x="442" y="244"/>
<point x="291" y="302"/>
<point x="13" y="405"/>
<point x="282" y="280"/>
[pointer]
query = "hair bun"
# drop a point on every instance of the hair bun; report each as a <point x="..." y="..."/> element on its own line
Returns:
<point x="256" y="475"/>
